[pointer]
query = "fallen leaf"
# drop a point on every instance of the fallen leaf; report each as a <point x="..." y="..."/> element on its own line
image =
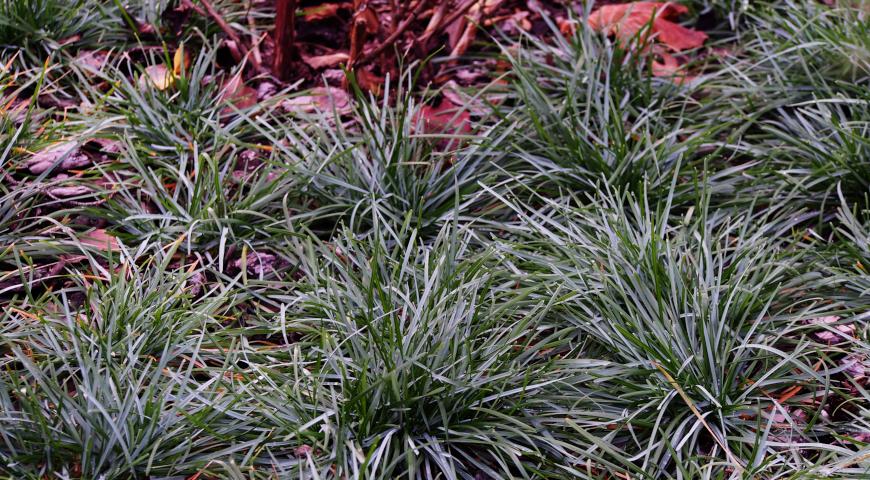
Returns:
<point x="14" y="108"/>
<point x="463" y="31"/>
<point x="325" y="61"/>
<point x="319" y="99"/>
<point x="257" y="263"/>
<point x="67" y="153"/>
<point x="180" y="61"/>
<point x="667" y="67"/>
<point x="627" y="19"/>
<point x="98" y="238"/>
<point x="857" y="367"/>
<point x="364" y="24"/>
<point x="369" y="17"/>
<point x="489" y="6"/>
<point x="266" y="90"/>
<point x="841" y="331"/>
<point x="195" y="283"/>
<point x="671" y="68"/>
<point x="368" y="81"/>
<point x="470" y="75"/>
<point x="92" y="60"/>
<point x="235" y="92"/>
<point x="323" y="12"/>
<point x="454" y="93"/>
<point x="106" y="145"/>
<point x="68" y="40"/>
<point x="567" y="26"/>
<point x="512" y="24"/>
<point x="302" y="451"/>
<point x="334" y="76"/>
<point x="145" y="28"/>
<point x="156" y="76"/>
<point x="73" y="191"/>
<point x="445" y="118"/>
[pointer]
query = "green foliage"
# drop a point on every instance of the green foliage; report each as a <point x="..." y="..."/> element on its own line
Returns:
<point x="610" y="275"/>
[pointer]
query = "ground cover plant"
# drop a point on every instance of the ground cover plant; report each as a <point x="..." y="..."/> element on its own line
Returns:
<point x="439" y="239"/>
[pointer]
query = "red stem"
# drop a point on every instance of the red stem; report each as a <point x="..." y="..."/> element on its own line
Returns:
<point x="285" y="33"/>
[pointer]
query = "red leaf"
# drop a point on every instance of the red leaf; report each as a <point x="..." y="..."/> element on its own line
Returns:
<point x="676" y="36"/>
<point x="235" y="92"/>
<point x="627" y="19"/>
<point x="444" y="118"/>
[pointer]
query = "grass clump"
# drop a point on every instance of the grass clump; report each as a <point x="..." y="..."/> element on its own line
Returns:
<point x="421" y="356"/>
<point x="692" y="309"/>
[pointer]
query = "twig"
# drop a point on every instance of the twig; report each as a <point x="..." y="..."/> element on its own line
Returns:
<point x="452" y="18"/>
<point x="358" y="33"/>
<point x="285" y="37"/>
<point x="395" y="13"/>
<point x="435" y="21"/>
<point x="468" y="34"/>
<point x="256" y="57"/>
<point x="418" y="7"/>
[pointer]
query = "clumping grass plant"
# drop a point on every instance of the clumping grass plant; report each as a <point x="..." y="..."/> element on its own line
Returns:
<point x="692" y="308"/>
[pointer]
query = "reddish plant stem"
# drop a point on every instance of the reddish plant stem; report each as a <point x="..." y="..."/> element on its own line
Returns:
<point x="461" y="10"/>
<point x="285" y="37"/>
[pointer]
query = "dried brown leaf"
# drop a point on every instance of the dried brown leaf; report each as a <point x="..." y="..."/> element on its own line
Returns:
<point x="67" y="153"/>
<point x="156" y="76"/>
<point x="99" y="238"/>
<point x="326" y="61"/>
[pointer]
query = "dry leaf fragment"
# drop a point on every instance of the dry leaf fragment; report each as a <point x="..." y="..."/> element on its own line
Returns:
<point x="67" y="153"/>
<point x="455" y="95"/>
<point x="445" y="118"/>
<point x="567" y="26"/>
<point x="73" y="191"/>
<point x="368" y="81"/>
<point x="195" y="283"/>
<point x="160" y="76"/>
<point x="107" y="145"/>
<point x="14" y="108"/>
<point x="325" y="11"/>
<point x="319" y="99"/>
<point x="670" y="67"/>
<point x="302" y="451"/>
<point x="857" y="367"/>
<point x="92" y="60"/>
<point x="627" y="19"/>
<point x="512" y="24"/>
<point x="365" y="24"/>
<point x="235" y="92"/>
<point x="99" y="238"/>
<point x="156" y="76"/>
<point x="180" y="61"/>
<point x="326" y="61"/>
<point x="257" y="263"/>
<point x="266" y="90"/>
<point x="841" y="331"/>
